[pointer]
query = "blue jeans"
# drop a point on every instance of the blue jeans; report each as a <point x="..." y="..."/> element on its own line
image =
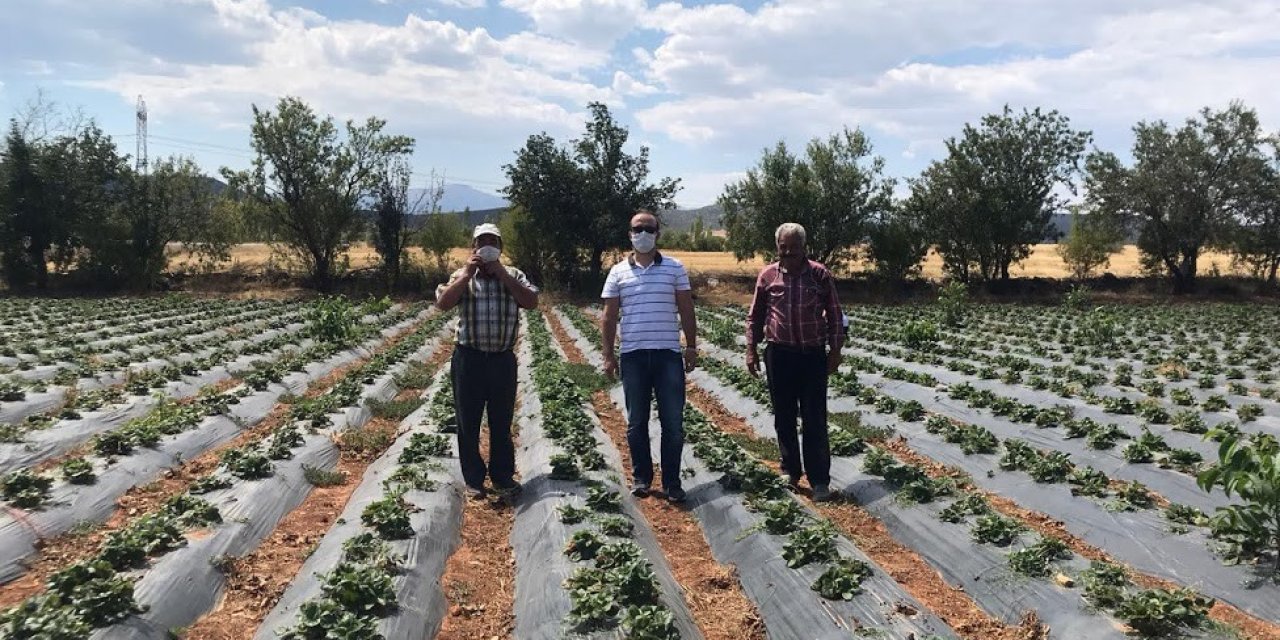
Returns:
<point x="646" y="373"/>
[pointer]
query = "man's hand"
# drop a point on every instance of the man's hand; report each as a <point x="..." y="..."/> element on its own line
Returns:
<point x="753" y="364"/>
<point x="833" y="362"/>
<point x="474" y="264"/>
<point x="494" y="269"/>
<point x="610" y="367"/>
<point x="690" y="359"/>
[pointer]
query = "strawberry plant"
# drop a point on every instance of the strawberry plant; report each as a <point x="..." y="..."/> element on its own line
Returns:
<point x="408" y="477"/>
<point x="1215" y="403"/>
<point x="1034" y="560"/>
<point x="367" y="549"/>
<point x="360" y="589"/>
<point x="209" y="483"/>
<point x="323" y="619"/>
<point x="649" y="622"/>
<point x="781" y="517"/>
<point x="1087" y="481"/>
<point x="995" y="529"/>
<point x="1249" y="412"/>
<point x="842" y="580"/>
<point x="583" y="545"/>
<point x="246" y="463"/>
<point x="1104" y="584"/>
<point x="423" y="447"/>
<point x="389" y="517"/>
<point x="1158" y="612"/>
<point x="814" y="543"/>
<point x="843" y="443"/>
<point x="971" y="504"/>
<point x="570" y="514"/>
<point x="1182" y="397"/>
<point x="1185" y="515"/>
<point x="1250" y="469"/>
<point x="94" y="593"/>
<point x="25" y="490"/>
<point x="601" y="498"/>
<point x="78" y="471"/>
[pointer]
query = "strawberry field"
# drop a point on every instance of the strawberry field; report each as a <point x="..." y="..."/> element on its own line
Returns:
<point x="180" y="467"/>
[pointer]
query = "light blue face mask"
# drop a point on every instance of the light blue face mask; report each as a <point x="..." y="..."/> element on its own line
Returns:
<point x="644" y="241"/>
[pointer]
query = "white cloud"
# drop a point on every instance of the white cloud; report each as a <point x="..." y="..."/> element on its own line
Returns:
<point x="625" y="85"/>
<point x="463" y="4"/>
<point x="798" y="68"/>
<point x="596" y="23"/>
<point x="442" y="78"/>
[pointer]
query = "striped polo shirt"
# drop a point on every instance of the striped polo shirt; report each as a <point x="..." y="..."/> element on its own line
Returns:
<point x="650" y="319"/>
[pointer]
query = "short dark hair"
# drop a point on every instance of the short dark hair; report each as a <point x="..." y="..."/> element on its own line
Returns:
<point x="647" y="211"/>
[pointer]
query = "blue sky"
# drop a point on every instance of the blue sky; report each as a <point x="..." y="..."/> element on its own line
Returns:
<point x="706" y="85"/>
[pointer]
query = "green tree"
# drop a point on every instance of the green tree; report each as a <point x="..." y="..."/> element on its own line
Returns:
<point x="1089" y="244"/>
<point x="173" y="204"/>
<point x="57" y="191"/>
<point x="521" y="243"/>
<point x="309" y="181"/>
<point x="440" y="233"/>
<point x="392" y="210"/>
<point x="992" y="198"/>
<point x="896" y="245"/>
<point x="1255" y="241"/>
<point x="834" y="192"/>
<point x="580" y="199"/>
<point x="1186" y="188"/>
<point x="21" y="203"/>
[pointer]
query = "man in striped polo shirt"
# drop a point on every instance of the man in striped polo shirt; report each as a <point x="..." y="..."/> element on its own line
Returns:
<point x="652" y="293"/>
<point x="489" y="296"/>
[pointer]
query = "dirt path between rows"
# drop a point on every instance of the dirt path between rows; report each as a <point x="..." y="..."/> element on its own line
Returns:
<point x="61" y="551"/>
<point x="711" y="590"/>
<point x="907" y="568"/>
<point x="257" y="581"/>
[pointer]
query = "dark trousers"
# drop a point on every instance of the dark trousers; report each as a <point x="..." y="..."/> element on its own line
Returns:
<point x="798" y="380"/>
<point x="646" y="373"/>
<point x="484" y="381"/>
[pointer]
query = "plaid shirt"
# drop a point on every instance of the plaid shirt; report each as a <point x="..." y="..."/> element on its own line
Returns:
<point x="795" y="309"/>
<point x="488" y="315"/>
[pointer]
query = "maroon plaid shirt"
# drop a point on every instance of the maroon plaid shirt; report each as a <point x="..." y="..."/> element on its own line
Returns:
<point x="795" y="309"/>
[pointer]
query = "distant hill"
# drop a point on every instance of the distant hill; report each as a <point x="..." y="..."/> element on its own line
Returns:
<point x="458" y="197"/>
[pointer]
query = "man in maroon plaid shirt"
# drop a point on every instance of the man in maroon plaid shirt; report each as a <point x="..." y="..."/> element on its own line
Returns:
<point x="795" y="310"/>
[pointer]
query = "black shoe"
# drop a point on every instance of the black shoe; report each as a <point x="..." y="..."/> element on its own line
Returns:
<point x="676" y="495"/>
<point x="640" y="489"/>
<point x="509" y="489"/>
<point x="476" y="493"/>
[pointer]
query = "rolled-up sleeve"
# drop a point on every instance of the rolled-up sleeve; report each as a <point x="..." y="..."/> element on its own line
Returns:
<point x="758" y="312"/>
<point x="835" y="316"/>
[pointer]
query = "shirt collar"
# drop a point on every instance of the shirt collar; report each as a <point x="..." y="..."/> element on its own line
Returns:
<point x="657" y="259"/>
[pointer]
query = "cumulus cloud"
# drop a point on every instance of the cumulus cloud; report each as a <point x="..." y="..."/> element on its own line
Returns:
<point x="444" y="79"/>
<point x="915" y="71"/>
<point x="596" y="23"/>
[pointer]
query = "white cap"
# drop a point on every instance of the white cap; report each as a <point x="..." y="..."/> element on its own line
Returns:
<point x="486" y="228"/>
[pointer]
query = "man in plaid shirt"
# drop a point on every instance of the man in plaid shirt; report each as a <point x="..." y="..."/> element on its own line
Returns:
<point x="489" y="296"/>
<point x="796" y="311"/>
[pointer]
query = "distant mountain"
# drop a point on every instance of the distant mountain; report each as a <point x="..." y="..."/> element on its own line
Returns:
<point x="682" y="219"/>
<point x="458" y="197"/>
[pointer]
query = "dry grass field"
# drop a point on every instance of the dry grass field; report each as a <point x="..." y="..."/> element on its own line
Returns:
<point x="1043" y="263"/>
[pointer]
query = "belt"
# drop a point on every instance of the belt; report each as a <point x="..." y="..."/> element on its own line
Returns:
<point x="806" y="350"/>
<point x="482" y="352"/>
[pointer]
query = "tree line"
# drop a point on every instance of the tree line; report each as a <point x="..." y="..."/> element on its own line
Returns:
<point x="314" y="188"/>
<point x="1212" y="182"/>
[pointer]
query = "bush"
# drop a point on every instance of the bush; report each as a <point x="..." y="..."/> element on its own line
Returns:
<point x="331" y="319"/>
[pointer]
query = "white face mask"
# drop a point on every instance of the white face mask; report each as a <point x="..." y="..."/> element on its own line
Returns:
<point x="488" y="253"/>
<point x="644" y="241"/>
